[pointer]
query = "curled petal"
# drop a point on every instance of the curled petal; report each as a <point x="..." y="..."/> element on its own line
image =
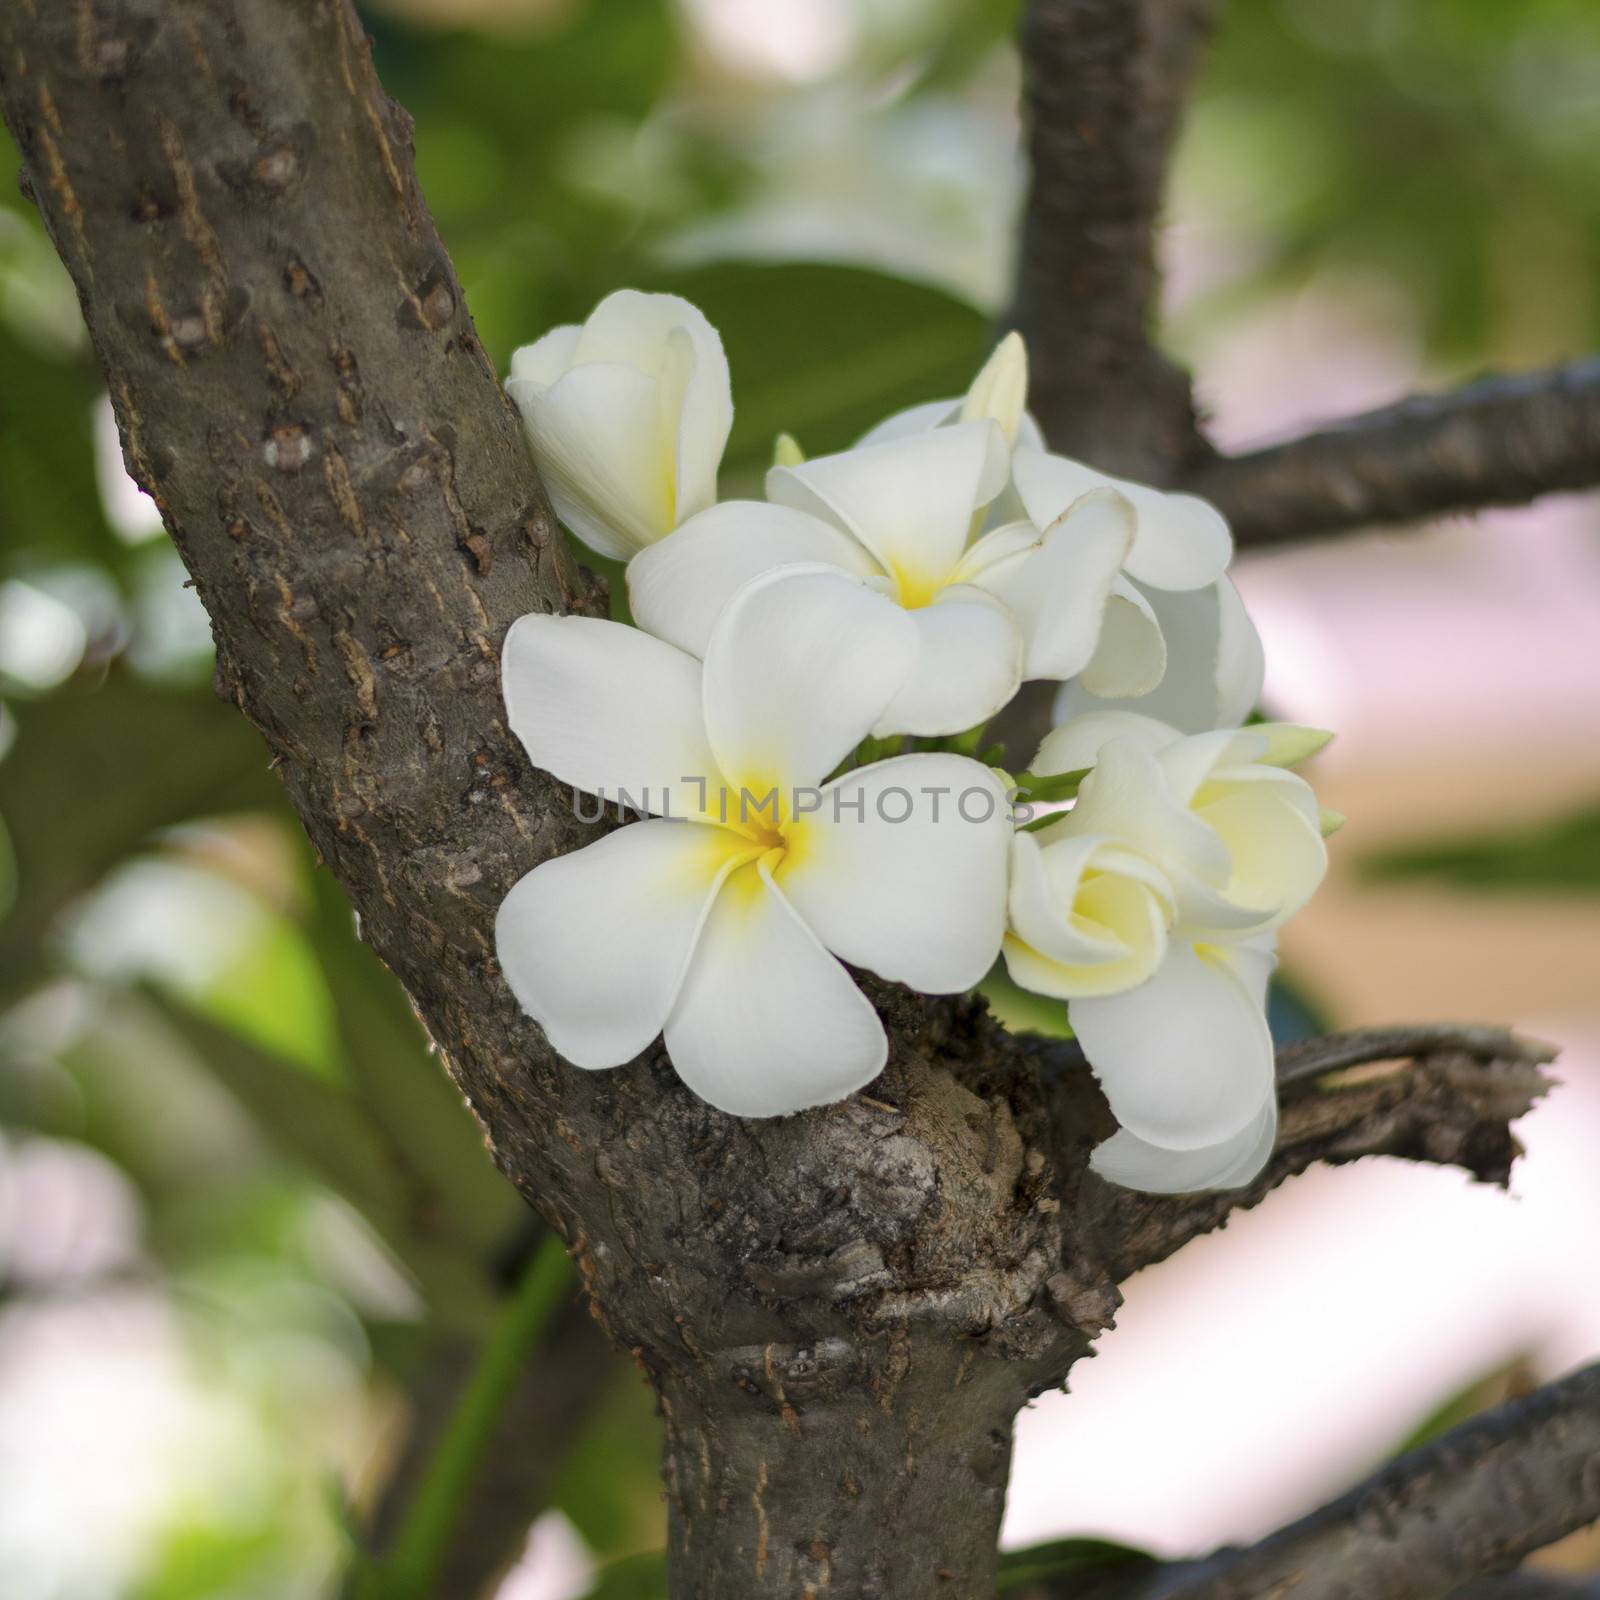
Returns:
<point x="1077" y="743"/>
<point x="1182" y="542"/>
<point x="767" y="1022"/>
<point x="1085" y="916"/>
<point x="1186" y="1059"/>
<point x="597" y="437"/>
<point x="1233" y="1163"/>
<point x="1274" y="839"/>
<point x="1214" y="664"/>
<point x="678" y="586"/>
<point x="1058" y="592"/>
<point x="902" y="868"/>
<point x="1131" y="656"/>
<point x="595" y="944"/>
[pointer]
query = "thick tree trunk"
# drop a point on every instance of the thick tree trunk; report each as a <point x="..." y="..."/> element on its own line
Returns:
<point x="809" y="1434"/>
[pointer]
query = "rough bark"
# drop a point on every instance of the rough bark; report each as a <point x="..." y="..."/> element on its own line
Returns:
<point x="1104" y="84"/>
<point x="1500" y="442"/>
<point x="1478" y="1500"/>
<point x="875" y="1286"/>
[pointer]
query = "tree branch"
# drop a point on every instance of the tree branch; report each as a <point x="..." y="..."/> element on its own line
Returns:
<point x="1478" y="1500"/>
<point x="299" y="386"/>
<point x="840" y="1311"/>
<point x="1451" y="1106"/>
<point x="1104" y="82"/>
<point x="1499" y="442"/>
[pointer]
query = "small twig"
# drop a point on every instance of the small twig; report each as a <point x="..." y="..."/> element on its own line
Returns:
<point x="1498" y="442"/>
<point x="1477" y="1500"/>
<point x="1453" y="1106"/>
<point x="1355" y="1047"/>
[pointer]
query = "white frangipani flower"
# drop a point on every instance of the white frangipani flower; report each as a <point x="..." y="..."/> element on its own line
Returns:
<point x="1150" y="907"/>
<point x="1176" y="642"/>
<point x="1238" y="838"/>
<point x="628" y="416"/>
<point x="988" y="610"/>
<point x="717" y="931"/>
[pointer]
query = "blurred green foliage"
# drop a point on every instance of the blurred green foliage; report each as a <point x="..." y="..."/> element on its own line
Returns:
<point x="1561" y="856"/>
<point x="185" y="1009"/>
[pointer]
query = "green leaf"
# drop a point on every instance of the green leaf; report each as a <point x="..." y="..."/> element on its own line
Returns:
<point x="609" y="1483"/>
<point x="94" y="772"/>
<point x="1076" y="1557"/>
<point x="1022" y="1011"/>
<point x="1553" y="857"/>
<point x="1491" y="1388"/>
<point x="333" y="1136"/>
<point x="641" y="1577"/>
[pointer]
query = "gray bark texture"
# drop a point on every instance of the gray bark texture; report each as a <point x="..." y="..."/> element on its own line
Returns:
<point x="841" y="1311"/>
<point x="1477" y="1500"/>
<point x="1498" y="442"/>
<point x="1104" y="86"/>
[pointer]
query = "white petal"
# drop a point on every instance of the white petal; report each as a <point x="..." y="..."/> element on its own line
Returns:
<point x="609" y="710"/>
<point x="799" y="667"/>
<point x="1058" y="594"/>
<point x="633" y="327"/>
<point x="678" y="586"/>
<point x="1186" y="1059"/>
<point x="1082" y="902"/>
<point x="767" y="1022"/>
<point x="599" y="445"/>
<point x="909" y="501"/>
<point x="914" y="419"/>
<point x="697" y="413"/>
<point x="1214" y="664"/>
<point x="902" y="868"/>
<point x="1000" y="391"/>
<point x="1274" y="839"/>
<point x="1127" y="798"/>
<point x="1131" y="657"/>
<point x="595" y="944"/>
<point x="1182" y="542"/>
<point x="1240" y="664"/>
<point x="669" y="339"/>
<point x="999" y="549"/>
<point x="1232" y="1164"/>
<point x="1077" y="744"/>
<point x="968" y="665"/>
<point x="544" y="360"/>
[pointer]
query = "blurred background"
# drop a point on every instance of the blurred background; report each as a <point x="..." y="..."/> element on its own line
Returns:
<point x="249" y="1241"/>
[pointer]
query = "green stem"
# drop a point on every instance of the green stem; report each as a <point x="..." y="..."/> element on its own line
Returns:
<point x="424" y="1538"/>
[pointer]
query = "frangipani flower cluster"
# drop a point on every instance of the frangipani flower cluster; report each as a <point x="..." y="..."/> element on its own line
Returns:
<point x="794" y="718"/>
